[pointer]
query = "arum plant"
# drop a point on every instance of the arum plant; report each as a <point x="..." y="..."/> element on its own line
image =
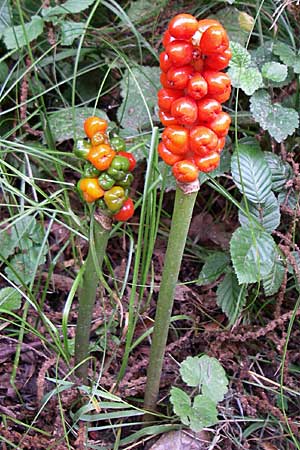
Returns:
<point x="195" y="129"/>
<point x="105" y="186"/>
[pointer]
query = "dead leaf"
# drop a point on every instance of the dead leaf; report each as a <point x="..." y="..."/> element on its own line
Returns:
<point x="268" y="446"/>
<point x="182" y="440"/>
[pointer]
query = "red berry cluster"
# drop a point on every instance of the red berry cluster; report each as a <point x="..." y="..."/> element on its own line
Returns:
<point x="193" y="89"/>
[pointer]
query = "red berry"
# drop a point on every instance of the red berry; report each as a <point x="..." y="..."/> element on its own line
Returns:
<point x="167" y="38"/>
<point x="220" y="125"/>
<point x="126" y="212"/>
<point x="164" y="62"/>
<point x="218" y="61"/>
<point x="204" y="24"/>
<point x="207" y="163"/>
<point x="176" y="139"/>
<point x="208" y="109"/>
<point x="166" y="97"/>
<point x="203" y="140"/>
<point x="185" y="171"/>
<point x="217" y="82"/>
<point x="180" y="53"/>
<point x="197" y="87"/>
<point x="167" y="156"/>
<point x="183" y="26"/>
<point x="178" y="77"/>
<point x="167" y="119"/>
<point x="131" y="159"/>
<point x="224" y="96"/>
<point x="185" y="110"/>
<point x="214" y="40"/>
<point x="221" y="145"/>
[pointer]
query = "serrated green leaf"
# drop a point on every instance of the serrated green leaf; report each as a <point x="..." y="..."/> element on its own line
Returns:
<point x="231" y="297"/>
<point x="10" y="299"/>
<point x="61" y="122"/>
<point x="287" y="56"/>
<point x="15" y="37"/>
<point x="252" y="254"/>
<point x="181" y="404"/>
<point x="206" y="373"/>
<point x="214" y="266"/>
<point x="24" y="265"/>
<point x="281" y="171"/>
<point x="274" y="71"/>
<point x="280" y="122"/>
<point x="70" y="31"/>
<point x="69" y="7"/>
<point x="5" y="19"/>
<point x="267" y="213"/>
<point x="7" y="244"/>
<point x="250" y="171"/>
<point x="203" y="413"/>
<point x="133" y="114"/>
<point x="288" y="198"/>
<point x="273" y="281"/>
<point x="241" y="70"/>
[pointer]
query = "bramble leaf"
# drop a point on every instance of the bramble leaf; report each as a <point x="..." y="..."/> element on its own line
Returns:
<point x="266" y="213"/>
<point x="231" y="297"/>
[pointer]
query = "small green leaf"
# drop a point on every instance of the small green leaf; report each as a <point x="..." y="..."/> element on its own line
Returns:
<point x="203" y="414"/>
<point x="5" y="18"/>
<point x="214" y="266"/>
<point x="17" y="36"/>
<point x="24" y="265"/>
<point x="273" y="281"/>
<point x="7" y="244"/>
<point x="206" y="373"/>
<point x="139" y="90"/>
<point x="4" y="71"/>
<point x="281" y="171"/>
<point x="231" y="297"/>
<point x="242" y="72"/>
<point x="181" y="404"/>
<point x="250" y="171"/>
<point x="287" y="56"/>
<point x="10" y="299"/>
<point x="70" y="31"/>
<point x="62" y="126"/>
<point x="69" y="7"/>
<point x="267" y="213"/>
<point x="280" y="122"/>
<point x="140" y="10"/>
<point x="252" y="254"/>
<point x="274" y="71"/>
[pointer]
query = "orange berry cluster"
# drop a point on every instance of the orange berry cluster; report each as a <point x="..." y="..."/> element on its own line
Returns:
<point x="193" y="89"/>
<point x="107" y="173"/>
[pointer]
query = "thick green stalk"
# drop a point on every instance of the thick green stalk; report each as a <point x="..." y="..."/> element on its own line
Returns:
<point x="182" y="214"/>
<point x="87" y="295"/>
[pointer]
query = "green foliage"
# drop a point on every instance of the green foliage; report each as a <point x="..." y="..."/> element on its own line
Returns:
<point x="5" y="18"/>
<point x="209" y="377"/>
<point x="231" y="297"/>
<point x="10" y="299"/>
<point x="281" y="171"/>
<point x="242" y="71"/>
<point x="274" y="71"/>
<point x="140" y="10"/>
<point x="214" y="266"/>
<point x="139" y="88"/>
<point x="273" y="281"/>
<point x="250" y="171"/>
<point x="67" y="123"/>
<point x="266" y="213"/>
<point x="18" y="36"/>
<point x="70" y="31"/>
<point x="287" y="56"/>
<point x="280" y="122"/>
<point x="69" y="7"/>
<point x="252" y="253"/>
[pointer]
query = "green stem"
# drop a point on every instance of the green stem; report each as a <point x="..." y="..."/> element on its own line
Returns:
<point x="87" y="296"/>
<point x="184" y="203"/>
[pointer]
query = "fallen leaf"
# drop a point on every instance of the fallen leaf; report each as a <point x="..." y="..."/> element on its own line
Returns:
<point x="182" y="440"/>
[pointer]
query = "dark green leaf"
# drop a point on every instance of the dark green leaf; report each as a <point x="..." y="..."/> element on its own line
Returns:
<point x="10" y="299"/>
<point x="250" y="171"/>
<point x="214" y="266"/>
<point x="287" y="56"/>
<point x="280" y="122"/>
<point x="17" y="36"/>
<point x="139" y="91"/>
<point x="70" y="31"/>
<point x="69" y="7"/>
<point x="3" y="71"/>
<point x="267" y="213"/>
<point x="281" y="171"/>
<point x="231" y="297"/>
<point x="141" y="10"/>
<point x="24" y="265"/>
<point x="252" y="253"/>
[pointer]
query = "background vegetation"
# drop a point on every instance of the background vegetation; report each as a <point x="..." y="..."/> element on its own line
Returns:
<point x="238" y="295"/>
